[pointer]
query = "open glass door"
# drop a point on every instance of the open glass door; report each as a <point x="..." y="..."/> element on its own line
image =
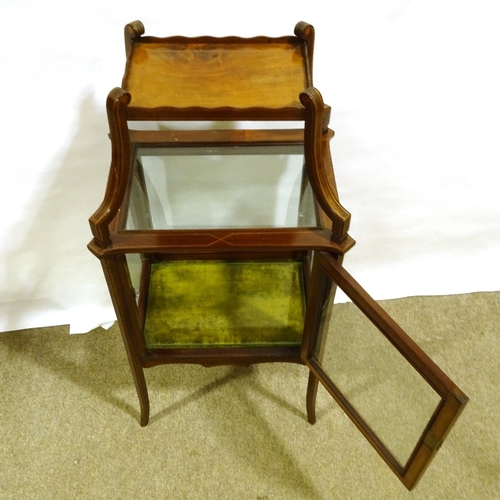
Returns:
<point x="393" y="392"/>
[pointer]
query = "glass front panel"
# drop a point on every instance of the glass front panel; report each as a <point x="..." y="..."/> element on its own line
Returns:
<point x="380" y="384"/>
<point x="220" y="187"/>
<point x="224" y="304"/>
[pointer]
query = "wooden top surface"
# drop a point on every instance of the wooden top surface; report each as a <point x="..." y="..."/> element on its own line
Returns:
<point x="216" y="74"/>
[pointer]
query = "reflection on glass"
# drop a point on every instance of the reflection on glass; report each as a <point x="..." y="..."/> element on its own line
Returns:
<point x="220" y="187"/>
<point x="385" y="390"/>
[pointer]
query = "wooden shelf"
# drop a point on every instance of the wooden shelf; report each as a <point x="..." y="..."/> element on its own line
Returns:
<point x="224" y="304"/>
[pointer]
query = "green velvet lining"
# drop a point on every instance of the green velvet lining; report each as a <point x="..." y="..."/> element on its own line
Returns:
<point x="223" y="304"/>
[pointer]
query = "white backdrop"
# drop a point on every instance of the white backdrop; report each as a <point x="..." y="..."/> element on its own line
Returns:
<point x="414" y="87"/>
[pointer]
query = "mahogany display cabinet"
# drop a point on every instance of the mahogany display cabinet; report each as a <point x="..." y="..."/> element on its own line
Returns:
<point x="224" y="245"/>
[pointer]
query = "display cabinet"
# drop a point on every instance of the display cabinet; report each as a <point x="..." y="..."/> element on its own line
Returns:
<point x="225" y="245"/>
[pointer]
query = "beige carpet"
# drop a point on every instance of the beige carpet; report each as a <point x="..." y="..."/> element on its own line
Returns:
<point x="69" y="421"/>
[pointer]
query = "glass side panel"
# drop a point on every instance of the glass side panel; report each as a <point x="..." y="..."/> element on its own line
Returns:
<point x="223" y="304"/>
<point x="134" y="267"/>
<point x="220" y="187"/>
<point x="393" y="399"/>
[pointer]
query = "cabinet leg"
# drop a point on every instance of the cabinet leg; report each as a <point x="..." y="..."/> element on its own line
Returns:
<point x="142" y="392"/>
<point x="312" y="391"/>
<point x="139" y="379"/>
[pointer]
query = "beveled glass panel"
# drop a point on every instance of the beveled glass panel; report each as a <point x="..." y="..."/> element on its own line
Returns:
<point x="394" y="400"/>
<point x="225" y="304"/>
<point x="220" y="187"/>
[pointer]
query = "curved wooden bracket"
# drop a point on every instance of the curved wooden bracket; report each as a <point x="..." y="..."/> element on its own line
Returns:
<point x="316" y="139"/>
<point x="133" y="32"/>
<point x="116" y="106"/>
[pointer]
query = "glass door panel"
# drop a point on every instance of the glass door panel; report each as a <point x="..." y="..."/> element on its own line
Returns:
<point x="375" y="378"/>
<point x="401" y="401"/>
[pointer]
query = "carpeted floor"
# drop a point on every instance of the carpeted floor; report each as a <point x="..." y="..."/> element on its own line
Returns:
<point x="69" y="420"/>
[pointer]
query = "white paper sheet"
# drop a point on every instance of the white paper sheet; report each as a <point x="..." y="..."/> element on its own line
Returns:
<point x="414" y="92"/>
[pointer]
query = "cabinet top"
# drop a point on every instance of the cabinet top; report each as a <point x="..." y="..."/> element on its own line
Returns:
<point x="211" y="73"/>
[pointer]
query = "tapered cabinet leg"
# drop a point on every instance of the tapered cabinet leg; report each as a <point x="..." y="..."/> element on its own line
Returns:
<point x="118" y="279"/>
<point x="144" y="403"/>
<point x="142" y="392"/>
<point x="139" y="379"/>
<point x="312" y="391"/>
